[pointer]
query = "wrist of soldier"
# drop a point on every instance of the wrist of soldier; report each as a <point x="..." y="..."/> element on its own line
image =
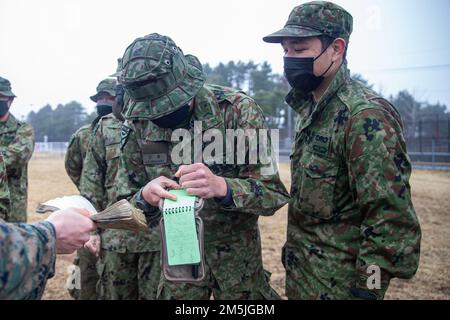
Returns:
<point x="144" y="205"/>
<point x="227" y="200"/>
<point x="221" y="188"/>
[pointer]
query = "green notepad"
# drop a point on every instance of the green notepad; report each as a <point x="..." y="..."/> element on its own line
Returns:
<point x="180" y="230"/>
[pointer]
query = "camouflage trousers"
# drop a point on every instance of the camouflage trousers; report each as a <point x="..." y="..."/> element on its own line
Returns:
<point x="16" y="217"/>
<point x="128" y="276"/>
<point x="308" y="278"/>
<point x="256" y="287"/>
<point x="87" y="271"/>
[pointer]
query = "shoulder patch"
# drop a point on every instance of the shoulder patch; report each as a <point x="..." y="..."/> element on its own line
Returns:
<point x="224" y="93"/>
<point x="124" y="134"/>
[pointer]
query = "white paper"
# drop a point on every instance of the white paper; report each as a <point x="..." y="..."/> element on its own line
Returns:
<point x="67" y="202"/>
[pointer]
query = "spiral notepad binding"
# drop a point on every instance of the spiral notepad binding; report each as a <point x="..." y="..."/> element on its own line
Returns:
<point x="182" y="209"/>
<point x="198" y="205"/>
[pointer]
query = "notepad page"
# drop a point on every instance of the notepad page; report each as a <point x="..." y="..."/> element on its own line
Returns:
<point x="180" y="229"/>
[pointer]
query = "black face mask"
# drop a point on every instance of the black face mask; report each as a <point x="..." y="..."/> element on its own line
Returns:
<point x="118" y="103"/>
<point x="174" y="120"/>
<point x="299" y="73"/>
<point x="4" y="108"/>
<point x="103" y="109"/>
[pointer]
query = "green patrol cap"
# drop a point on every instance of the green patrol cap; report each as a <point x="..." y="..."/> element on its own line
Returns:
<point x="105" y="86"/>
<point x="314" y="19"/>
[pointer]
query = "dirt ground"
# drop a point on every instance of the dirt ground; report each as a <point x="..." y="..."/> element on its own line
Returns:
<point x="431" y="197"/>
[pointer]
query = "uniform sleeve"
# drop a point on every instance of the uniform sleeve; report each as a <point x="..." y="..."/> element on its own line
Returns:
<point x="379" y="170"/>
<point x="259" y="189"/>
<point x="20" y="150"/>
<point x="73" y="161"/>
<point x="131" y="175"/>
<point x="28" y="254"/>
<point x="92" y="182"/>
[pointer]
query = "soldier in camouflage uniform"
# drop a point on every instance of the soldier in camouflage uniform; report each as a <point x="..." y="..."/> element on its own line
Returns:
<point x="28" y="259"/>
<point x="350" y="205"/>
<point x="75" y="158"/>
<point x="16" y="145"/>
<point x="167" y="91"/>
<point x="78" y="145"/>
<point x="98" y="184"/>
<point x="28" y="252"/>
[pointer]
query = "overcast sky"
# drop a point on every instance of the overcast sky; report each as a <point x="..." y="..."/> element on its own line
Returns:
<point x="57" y="51"/>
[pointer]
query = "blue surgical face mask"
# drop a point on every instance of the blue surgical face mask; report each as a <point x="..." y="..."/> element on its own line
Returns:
<point x="177" y="119"/>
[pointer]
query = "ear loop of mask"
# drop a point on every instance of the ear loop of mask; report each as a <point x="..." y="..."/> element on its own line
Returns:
<point x="332" y="62"/>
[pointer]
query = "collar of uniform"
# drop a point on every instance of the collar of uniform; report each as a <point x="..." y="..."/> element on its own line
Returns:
<point x="306" y="107"/>
<point x="341" y="78"/>
<point x="12" y="124"/>
<point x="299" y="101"/>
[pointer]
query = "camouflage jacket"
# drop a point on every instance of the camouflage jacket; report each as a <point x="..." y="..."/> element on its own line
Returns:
<point x="28" y="254"/>
<point x="227" y="229"/>
<point x="99" y="175"/>
<point x="351" y="199"/>
<point x="76" y="152"/>
<point x="5" y="200"/>
<point x="16" y="146"/>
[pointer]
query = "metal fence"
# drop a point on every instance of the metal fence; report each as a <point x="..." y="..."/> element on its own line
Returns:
<point x="428" y="141"/>
<point x="50" y="149"/>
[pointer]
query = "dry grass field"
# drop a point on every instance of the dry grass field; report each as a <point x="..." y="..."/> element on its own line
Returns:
<point x="431" y="197"/>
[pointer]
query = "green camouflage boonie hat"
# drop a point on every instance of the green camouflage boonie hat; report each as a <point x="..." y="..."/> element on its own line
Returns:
<point x="5" y="88"/>
<point x="158" y="77"/>
<point x="105" y="86"/>
<point x="314" y="19"/>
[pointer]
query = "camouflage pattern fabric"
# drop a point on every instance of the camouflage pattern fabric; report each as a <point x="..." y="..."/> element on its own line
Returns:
<point x="351" y="199"/>
<point x="79" y="143"/>
<point x="156" y="73"/>
<point x="5" y="200"/>
<point x="98" y="184"/>
<point x="84" y="260"/>
<point x="28" y="259"/>
<point x="76" y="153"/>
<point x="314" y="19"/>
<point x="16" y="146"/>
<point x="232" y="242"/>
<point x="128" y="276"/>
<point x="87" y="264"/>
<point x="107" y="86"/>
<point x="5" y="88"/>
<point x="101" y="163"/>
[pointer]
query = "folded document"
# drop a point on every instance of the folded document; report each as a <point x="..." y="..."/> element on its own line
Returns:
<point x="121" y="215"/>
